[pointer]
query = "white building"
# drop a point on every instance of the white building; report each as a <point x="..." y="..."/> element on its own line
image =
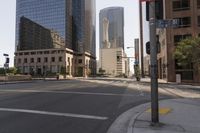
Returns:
<point x="114" y="61"/>
<point x="42" y="62"/>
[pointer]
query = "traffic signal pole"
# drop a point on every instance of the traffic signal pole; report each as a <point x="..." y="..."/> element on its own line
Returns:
<point x="154" y="65"/>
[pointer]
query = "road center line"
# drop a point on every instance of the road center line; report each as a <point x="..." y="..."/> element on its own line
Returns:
<point x="54" y="113"/>
<point x="66" y="92"/>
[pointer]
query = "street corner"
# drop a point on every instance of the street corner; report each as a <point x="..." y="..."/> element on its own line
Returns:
<point x="124" y="123"/>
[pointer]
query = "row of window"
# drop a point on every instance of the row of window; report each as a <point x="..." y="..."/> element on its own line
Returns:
<point x="179" y="5"/>
<point x="186" y="22"/>
<point x="41" y="52"/>
<point x="46" y="59"/>
<point x="178" y="38"/>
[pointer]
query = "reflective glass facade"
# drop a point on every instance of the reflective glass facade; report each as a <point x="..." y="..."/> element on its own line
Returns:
<point x="65" y="17"/>
<point x="115" y="20"/>
<point x="47" y="13"/>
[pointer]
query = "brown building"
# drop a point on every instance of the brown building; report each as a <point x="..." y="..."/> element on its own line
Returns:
<point x="188" y="14"/>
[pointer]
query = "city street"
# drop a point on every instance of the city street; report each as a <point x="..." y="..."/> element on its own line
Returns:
<point x="67" y="106"/>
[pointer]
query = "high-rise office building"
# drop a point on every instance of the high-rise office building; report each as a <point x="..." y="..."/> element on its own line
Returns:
<point x="34" y="36"/>
<point x="111" y="22"/>
<point x="70" y="22"/>
<point x="114" y="17"/>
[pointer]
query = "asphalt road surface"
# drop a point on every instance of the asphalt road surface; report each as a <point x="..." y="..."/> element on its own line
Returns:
<point x="70" y="106"/>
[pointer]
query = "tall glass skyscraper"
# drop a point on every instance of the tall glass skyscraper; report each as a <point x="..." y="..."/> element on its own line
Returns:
<point x="112" y="20"/>
<point x="72" y="20"/>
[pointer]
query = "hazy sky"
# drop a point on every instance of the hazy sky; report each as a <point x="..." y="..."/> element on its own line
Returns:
<point x="7" y="24"/>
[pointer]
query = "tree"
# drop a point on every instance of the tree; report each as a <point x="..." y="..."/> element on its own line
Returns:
<point x="188" y="51"/>
<point x="12" y="70"/>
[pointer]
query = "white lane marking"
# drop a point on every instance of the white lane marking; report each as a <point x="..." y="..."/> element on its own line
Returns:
<point x="54" y="113"/>
<point x="66" y="92"/>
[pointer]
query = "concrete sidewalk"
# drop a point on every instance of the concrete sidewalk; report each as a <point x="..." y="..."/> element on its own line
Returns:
<point x="176" y="116"/>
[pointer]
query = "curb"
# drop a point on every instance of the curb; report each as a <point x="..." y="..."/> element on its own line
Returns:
<point x="17" y="82"/>
<point x="124" y="123"/>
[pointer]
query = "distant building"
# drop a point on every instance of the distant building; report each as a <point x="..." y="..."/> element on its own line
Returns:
<point x="111" y="22"/>
<point x="114" y="62"/>
<point x="114" y="16"/>
<point x="188" y="14"/>
<point x="52" y="25"/>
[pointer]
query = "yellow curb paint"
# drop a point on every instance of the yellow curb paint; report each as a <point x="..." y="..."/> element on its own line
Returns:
<point x="162" y="111"/>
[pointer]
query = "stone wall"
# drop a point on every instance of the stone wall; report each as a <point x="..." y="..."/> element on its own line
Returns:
<point x="15" y="78"/>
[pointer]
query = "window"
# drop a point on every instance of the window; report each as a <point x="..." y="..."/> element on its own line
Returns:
<point x="186" y="71"/>
<point x="179" y="5"/>
<point x="184" y="22"/>
<point x="39" y="60"/>
<point x="198" y="20"/>
<point x="19" y="60"/>
<point x="25" y="60"/>
<point x="60" y="59"/>
<point x="33" y="53"/>
<point x="53" y="59"/>
<point x="40" y="52"/>
<point x="32" y="60"/>
<point x="45" y="59"/>
<point x="46" y="52"/>
<point x="53" y="52"/>
<point x="178" y="38"/>
<point x="80" y="61"/>
<point x="198" y="3"/>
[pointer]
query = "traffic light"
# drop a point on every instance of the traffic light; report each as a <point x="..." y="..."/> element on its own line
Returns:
<point x="158" y="9"/>
<point x="7" y="60"/>
<point x="148" y="47"/>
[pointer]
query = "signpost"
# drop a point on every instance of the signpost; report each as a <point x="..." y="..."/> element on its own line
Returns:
<point x="170" y="23"/>
<point x="154" y="66"/>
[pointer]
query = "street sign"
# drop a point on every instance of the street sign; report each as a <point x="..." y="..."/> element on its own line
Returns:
<point x="169" y="23"/>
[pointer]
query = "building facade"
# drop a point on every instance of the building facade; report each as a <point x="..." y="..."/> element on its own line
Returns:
<point x="67" y="25"/>
<point x="111" y="20"/>
<point x="188" y="14"/>
<point x="111" y="41"/>
<point x="114" y="62"/>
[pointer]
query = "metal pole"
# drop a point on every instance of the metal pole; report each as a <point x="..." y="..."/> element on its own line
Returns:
<point x="141" y="39"/>
<point x="154" y="65"/>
